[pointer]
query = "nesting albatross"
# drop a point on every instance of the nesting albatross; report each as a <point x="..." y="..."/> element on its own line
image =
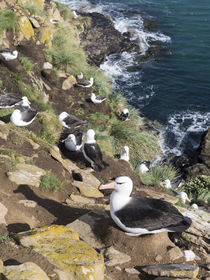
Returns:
<point x="92" y="152"/>
<point x="70" y="121"/>
<point x="9" y="101"/>
<point x="73" y="142"/>
<point x="9" y="54"/>
<point x="141" y="215"/>
<point x="23" y="116"/>
<point x="85" y="83"/>
<point x="97" y="99"/>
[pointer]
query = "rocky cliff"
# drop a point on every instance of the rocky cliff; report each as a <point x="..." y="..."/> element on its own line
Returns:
<point x="54" y="222"/>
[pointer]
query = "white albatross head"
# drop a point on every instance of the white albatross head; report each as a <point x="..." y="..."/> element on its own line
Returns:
<point x="25" y="102"/>
<point x="125" y="111"/>
<point x="125" y="153"/>
<point x="184" y="197"/>
<point x="90" y="136"/>
<point x="122" y="185"/>
<point x="62" y="116"/>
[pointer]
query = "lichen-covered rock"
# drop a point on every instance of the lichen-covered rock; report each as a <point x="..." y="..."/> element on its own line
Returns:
<point x="87" y="190"/>
<point x="28" y="270"/>
<point x="34" y="22"/>
<point x="73" y="259"/>
<point x="46" y="35"/>
<point x="26" y="174"/>
<point x="69" y="82"/>
<point x="173" y="270"/>
<point x="26" y="27"/>
<point x="3" y="5"/>
<point x="54" y="14"/>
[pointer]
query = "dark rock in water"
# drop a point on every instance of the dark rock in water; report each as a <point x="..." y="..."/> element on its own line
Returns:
<point x="205" y="149"/>
<point x="100" y="39"/>
<point x="200" y="166"/>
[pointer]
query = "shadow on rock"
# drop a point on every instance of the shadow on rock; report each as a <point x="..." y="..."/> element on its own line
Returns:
<point x="63" y="213"/>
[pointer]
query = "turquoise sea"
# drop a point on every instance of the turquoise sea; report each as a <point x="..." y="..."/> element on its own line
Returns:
<point x="172" y="87"/>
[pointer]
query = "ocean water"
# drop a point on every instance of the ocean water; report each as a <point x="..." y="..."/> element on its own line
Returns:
<point x="171" y="87"/>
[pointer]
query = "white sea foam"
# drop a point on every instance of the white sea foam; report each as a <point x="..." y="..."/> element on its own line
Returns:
<point x="183" y="127"/>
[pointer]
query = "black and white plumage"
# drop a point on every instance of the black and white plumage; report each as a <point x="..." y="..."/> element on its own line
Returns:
<point x="85" y="83"/>
<point x="73" y="142"/>
<point x="92" y="152"/>
<point x="141" y="215"/>
<point x="79" y="76"/>
<point x="9" y="101"/>
<point x="54" y="21"/>
<point x="97" y="99"/>
<point x="144" y="166"/>
<point x="9" y="54"/>
<point x="124" y="115"/>
<point x="71" y="121"/>
<point x="75" y="14"/>
<point x="125" y="153"/>
<point x="23" y="116"/>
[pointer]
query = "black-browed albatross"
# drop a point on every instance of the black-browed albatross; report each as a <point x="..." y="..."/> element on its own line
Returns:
<point x="92" y="151"/>
<point x="23" y="116"/>
<point x="141" y="215"/>
<point x="9" y="101"/>
<point x="71" y="121"/>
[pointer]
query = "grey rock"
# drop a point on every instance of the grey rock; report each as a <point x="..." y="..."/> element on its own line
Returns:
<point x="85" y="225"/>
<point x="173" y="270"/>
<point x="175" y="253"/>
<point x="113" y="257"/>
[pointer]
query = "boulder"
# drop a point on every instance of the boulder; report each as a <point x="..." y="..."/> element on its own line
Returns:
<point x="26" y="27"/>
<point x="26" y="174"/>
<point x="114" y="257"/>
<point x="173" y="270"/>
<point x="87" y="190"/>
<point x="85" y="225"/>
<point x="73" y="258"/>
<point x="27" y="270"/>
<point x="69" y="82"/>
<point x="45" y="35"/>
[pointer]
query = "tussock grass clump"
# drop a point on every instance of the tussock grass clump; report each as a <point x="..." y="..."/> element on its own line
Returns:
<point x="5" y="114"/>
<point x="198" y="188"/>
<point x="142" y="146"/>
<point x="34" y="8"/>
<point x="26" y="63"/>
<point x="51" y="127"/>
<point x="33" y="94"/>
<point x="65" y="12"/>
<point x="157" y="174"/>
<point x="50" y="182"/>
<point x="11" y="159"/>
<point x="8" y="21"/>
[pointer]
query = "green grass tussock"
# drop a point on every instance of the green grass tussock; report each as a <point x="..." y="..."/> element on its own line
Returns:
<point x="157" y="174"/>
<point x="50" y="182"/>
<point x="198" y="188"/>
<point x="51" y="127"/>
<point x="26" y="63"/>
<point x="33" y="94"/>
<point x="65" y="12"/>
<point x="34" y="8"/>
<point x="8" y="21"/>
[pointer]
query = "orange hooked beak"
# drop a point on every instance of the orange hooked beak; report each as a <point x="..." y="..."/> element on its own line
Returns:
<point x="106" y="186"/>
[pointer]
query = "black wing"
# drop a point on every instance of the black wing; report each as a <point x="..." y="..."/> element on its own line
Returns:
<point x="94" y="153"/>
<point x="79" y="136"/>
<point x="152" y="214"/>
<point x="72" y="121"/>
<point x="123" y="116"/>
<point x="5" y="50"/>
<point x="28" y="114"/>
<point x="9" y="100"/>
